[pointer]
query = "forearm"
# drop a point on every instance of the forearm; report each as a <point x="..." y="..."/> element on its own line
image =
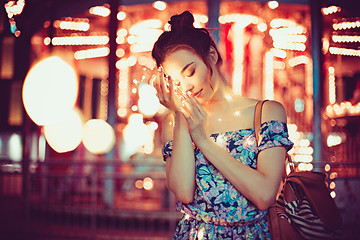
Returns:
<point x="253" y="184"/>
<point x="180" y="169"/>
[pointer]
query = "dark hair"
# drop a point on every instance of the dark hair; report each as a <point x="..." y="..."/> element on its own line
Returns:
<point x="183" y="34"/>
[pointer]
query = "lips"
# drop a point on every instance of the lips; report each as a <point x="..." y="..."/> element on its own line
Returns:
<point x="197" y="93"/>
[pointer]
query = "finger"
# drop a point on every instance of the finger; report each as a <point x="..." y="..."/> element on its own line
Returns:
<point x="158" y="91"/>
<point x="152" y="80"/>
<point x="163" y="87"/>
<point x="186" y="102"/>
<point x="197" y="104"/>
<point x="171" y="86"/>
<point x="194" y="115"/>
<point x="156" y="84"/>
<point x="194" y="108"/>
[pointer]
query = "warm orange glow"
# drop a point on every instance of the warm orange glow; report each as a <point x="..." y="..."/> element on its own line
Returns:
<point x="120" y="52"/>
<point x="330" y="10"/>
<point x="345" y="38"/>
<point x="295" y="61"/>
<point x="238" y="55"/>
<point x="335" y="139"/>
<point x="278" y="53"/>
<point x="14" y="9"/>
<point x="332" y="87"/>
<point x="123" y="88"/>
<point x="282" y="22"/>
<point x="344" y="51"/>
<point x="139" y="184"/>
<point x="273" y="4"/>
<point x="144" y="34"/>
<point x="98" y="137"/>
<point x="160" y="5"/>
<point x="327" y="167"/>
<point x="66" y="135"/>
<point x="305" y="166"/>
<point x="92" y="53"/>
<point x="200" y="20"/>
<point x="80" y="40"/>
<point x="288" y="35"/>
<point x="268" y="89"/>
<point x="333" y="194"/>
<point x="100" y="11"/>
<point x="47" y="41"/>
<point x="343" y="109"/>
<point x="78" y="24"/>
<point x="333" y="175"/>
<point x="243" y="19"/>
<point x="262" y="27"/>
<point x="50" y="90"/>
<point x="121" y="16"/>
<point x="148" y="183"/>
<point x="346" y="25"/>
<point x="302" y="151"/>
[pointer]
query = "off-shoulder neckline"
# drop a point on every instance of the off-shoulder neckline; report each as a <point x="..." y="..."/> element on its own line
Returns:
<point x="245" y="129"/>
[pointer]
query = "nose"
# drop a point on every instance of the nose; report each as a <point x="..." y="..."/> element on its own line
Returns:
<point x="187" y="86"/>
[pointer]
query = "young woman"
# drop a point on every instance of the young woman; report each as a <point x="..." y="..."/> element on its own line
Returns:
<point x="223" y="182"/>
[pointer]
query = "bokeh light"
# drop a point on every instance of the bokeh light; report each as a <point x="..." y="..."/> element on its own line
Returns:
<point x="148" y="101"/>
<point x="15" y="147"/>
<point x="98" y="137"/>
<point x="65" y="136"/>
<point x="136" y="132"/>
<point x="121" y="16"/>
<point x="273" y="4"/>
<point x="148" y="183"/>
<point x="159" y="5"/>
<point x="50" y="90"/>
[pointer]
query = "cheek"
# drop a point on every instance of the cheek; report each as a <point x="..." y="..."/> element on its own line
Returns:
<point x="210" y="79"/>
<point x="205" y="76"/>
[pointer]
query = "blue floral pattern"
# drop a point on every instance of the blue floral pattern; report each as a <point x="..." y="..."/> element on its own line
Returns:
<point x="219" y="210"/>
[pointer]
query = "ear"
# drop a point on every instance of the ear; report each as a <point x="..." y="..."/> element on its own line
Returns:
<point x="213" y="56"/>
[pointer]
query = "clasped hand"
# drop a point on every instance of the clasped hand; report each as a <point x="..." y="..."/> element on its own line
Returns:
<point x="179" y="101"/>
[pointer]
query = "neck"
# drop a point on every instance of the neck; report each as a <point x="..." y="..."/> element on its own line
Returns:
<point x="223" y="95"/>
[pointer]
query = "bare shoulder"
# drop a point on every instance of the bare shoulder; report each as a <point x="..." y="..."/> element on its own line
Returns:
<point x="273" y="110"/>
<point x="167" y="127"/>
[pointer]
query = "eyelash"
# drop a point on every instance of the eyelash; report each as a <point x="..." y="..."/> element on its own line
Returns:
<point x="192" y="73"/>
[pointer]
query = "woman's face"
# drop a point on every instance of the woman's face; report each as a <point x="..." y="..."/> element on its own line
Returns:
<point x="189" y="70"/>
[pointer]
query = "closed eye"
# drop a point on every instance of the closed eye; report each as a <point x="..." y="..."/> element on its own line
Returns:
<point x="187" y="67"/>
<point x="192" y="72"/>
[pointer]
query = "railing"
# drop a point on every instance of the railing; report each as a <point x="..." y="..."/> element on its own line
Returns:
<point x="94" y="200"/>
<point x="98" y="200"/>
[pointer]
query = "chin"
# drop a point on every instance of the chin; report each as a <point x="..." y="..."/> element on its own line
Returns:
<point x="204" y="99"/>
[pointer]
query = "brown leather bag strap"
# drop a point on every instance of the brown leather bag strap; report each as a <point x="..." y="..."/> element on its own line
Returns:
<point x="257" y="119"/>
<point x="274" y="224"/>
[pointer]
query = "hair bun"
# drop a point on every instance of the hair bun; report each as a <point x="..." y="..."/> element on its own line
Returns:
<point x="181" y="22"/>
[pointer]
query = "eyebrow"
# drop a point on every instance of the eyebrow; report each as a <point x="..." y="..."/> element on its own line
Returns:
<point x="186" y="66"/>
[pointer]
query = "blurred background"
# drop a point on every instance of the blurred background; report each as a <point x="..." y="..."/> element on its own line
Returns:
<point x="80" y="126"/>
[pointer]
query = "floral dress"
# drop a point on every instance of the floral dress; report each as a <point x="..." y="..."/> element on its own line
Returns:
<point x="219" y="210"/>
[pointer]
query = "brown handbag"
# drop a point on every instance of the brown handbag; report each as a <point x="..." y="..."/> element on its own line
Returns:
<point x="304" y="209"/>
